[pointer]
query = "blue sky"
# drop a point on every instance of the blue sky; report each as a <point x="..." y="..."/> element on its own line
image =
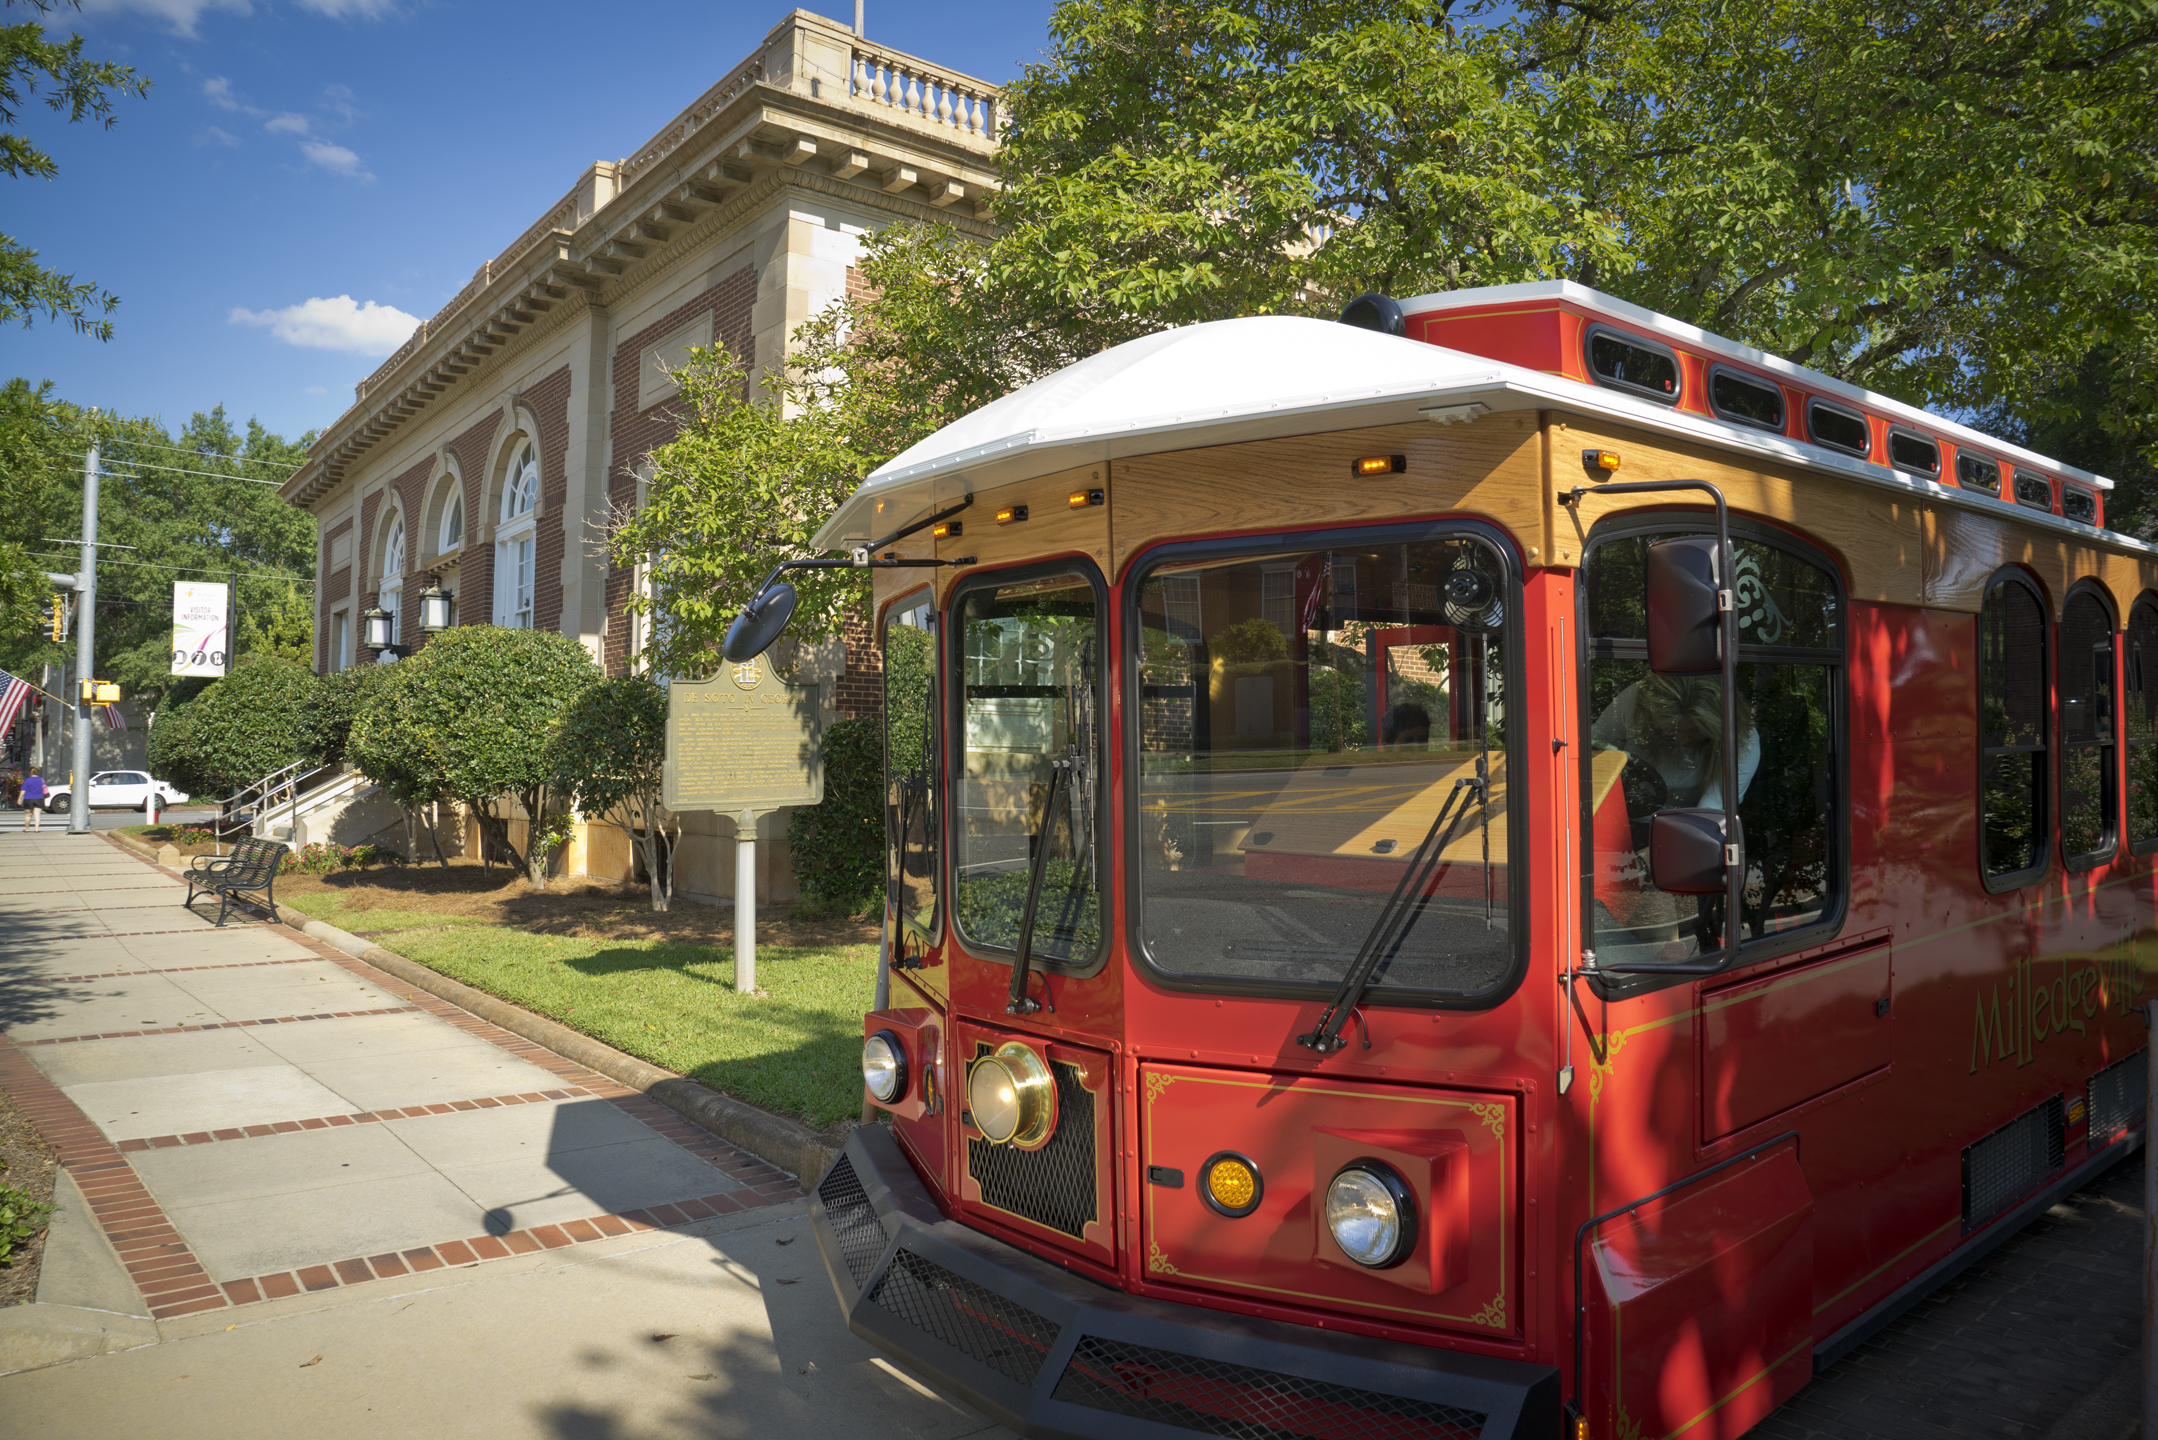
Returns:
<point x="303" y="168"/>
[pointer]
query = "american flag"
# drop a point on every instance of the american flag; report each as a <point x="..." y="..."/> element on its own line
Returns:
<point x="12" y="698"/>
<point x="114" y="720"/>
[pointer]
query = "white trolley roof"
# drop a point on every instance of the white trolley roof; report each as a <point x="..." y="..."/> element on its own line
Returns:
<point x="1266" y="376"/>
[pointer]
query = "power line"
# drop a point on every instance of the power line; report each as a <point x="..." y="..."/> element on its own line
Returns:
<point x="175" y="469"/>
<point x="200" y="455"/>
<point x="210" y="570"/>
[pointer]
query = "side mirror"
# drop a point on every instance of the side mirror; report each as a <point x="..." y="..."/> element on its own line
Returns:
<point x="1685" y="623"/>
<point x="760" y="623"/>
<point x="1687" y="850"/>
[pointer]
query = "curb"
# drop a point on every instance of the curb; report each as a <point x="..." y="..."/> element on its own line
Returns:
<point x="774" y="1139"/>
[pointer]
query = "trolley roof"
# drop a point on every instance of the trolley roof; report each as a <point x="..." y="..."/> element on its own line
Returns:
<point x="1262" y="377"/>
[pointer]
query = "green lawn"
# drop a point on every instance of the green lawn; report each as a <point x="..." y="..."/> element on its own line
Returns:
<point x="797" y="1051"/>
<point x="332" y="909"/>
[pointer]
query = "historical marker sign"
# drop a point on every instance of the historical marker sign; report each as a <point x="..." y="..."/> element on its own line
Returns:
<point x="743" y="740"/>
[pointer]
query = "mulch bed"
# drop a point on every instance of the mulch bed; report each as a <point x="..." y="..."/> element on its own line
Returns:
<point x="27" y="1165"/>
<point x="469" y="891"/>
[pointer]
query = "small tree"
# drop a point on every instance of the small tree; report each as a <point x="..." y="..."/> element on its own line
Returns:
<point x="240" y="729"/>
<point x="609" y="752"/>
<point x="470" y="717"/>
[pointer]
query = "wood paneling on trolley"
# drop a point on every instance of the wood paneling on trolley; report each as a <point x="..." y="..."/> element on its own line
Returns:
<point x="1491" y="467"/>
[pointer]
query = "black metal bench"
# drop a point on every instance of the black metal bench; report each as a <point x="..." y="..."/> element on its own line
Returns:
<point x="251" y="866"/>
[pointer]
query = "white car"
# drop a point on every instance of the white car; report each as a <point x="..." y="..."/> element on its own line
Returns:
<point x="128" y="789"/>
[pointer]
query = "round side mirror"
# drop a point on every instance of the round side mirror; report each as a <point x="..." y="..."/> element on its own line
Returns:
<point x="760" y="623"/>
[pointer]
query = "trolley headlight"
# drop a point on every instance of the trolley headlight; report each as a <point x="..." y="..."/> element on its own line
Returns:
<point x="1371" y="1214"/>
<point x="1012" y="1097"/>
<point x="884" y="1067"/>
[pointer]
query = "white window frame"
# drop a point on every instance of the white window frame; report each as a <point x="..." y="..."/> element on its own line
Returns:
<point x="340" y="639"/>
<point x="517" y="537"/>
<point x="390" y="589"/>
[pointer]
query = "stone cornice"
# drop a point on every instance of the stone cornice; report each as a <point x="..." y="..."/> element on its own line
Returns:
<point x="783" y="119"/>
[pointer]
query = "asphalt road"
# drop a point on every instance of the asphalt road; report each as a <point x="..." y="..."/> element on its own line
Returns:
<point x="12" y="818"/>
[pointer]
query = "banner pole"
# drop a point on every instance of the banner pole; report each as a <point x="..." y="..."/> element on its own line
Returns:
<point x="78" y="794"/>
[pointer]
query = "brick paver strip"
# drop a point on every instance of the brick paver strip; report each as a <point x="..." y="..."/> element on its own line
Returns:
<point x="331" y="1122"/>
<point x="220" y="1025"/>
<point x="162" y="970"/>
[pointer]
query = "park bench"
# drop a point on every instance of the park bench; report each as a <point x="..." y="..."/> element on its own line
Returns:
<point x="251" y="866"/>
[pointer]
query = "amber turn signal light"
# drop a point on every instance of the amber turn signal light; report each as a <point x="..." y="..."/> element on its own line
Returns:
<point x="1080" y="499"/>
<point x="1011" y="513"/>
<point x="1380" y="465"/>
<point x="1230" y="1184"/>
<point x="1600" y="459"/>
<point x="949" y="530"/>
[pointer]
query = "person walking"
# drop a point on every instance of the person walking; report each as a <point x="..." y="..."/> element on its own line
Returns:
<point x="33" y="800"/>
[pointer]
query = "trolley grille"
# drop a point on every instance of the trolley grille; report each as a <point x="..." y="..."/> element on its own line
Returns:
<point x="1214" y="1397"/>
<point x="2000" y="1169"/>
<point x="1055" y="1185"/>
<point x="1002" y="1334"/>
<point x="854" y="1220"/>
<point x="2119" y="1095"/>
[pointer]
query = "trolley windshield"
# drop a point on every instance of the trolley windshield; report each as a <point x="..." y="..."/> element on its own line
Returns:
<point x="1302" y="718"/>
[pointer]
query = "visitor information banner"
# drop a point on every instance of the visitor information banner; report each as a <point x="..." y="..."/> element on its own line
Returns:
<point x="199" y="639"/>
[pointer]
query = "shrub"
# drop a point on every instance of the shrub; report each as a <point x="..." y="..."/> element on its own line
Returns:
<point x="326" y="717"/>
<point x="237" y="731"/>
<point x="838" y="845"/>
<point x="20" y="1219"/>
<point x="322" y="858"/>
<point x="470" y="717"/>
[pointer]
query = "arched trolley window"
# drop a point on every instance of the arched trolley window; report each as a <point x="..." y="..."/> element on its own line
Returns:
<point x="1654" y="742"/>
<point x="2090" y="796"/>
<point x="1633" y="364"/>
<point x="2140" y="687"/>
<point x="1317" y="720"/>
<point x="2012" y="764"/>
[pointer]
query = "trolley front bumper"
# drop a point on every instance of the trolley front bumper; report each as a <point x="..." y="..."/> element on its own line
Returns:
<point x="1050" y="1354"/>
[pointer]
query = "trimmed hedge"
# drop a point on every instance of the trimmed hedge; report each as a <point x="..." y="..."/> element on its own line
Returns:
<point x="839" y="845"/>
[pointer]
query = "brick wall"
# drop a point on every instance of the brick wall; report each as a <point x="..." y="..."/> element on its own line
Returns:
<point x="476" y="572"/>
<point x="336" y="587"/>
<point x="637" y="432"/>
<point x="549" y="403"/>
<point x="861" y="689"/>
<point x="363" y="566"/>
<point x="374" y="511"/>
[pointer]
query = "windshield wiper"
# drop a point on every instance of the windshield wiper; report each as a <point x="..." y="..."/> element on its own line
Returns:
<point x="1018" y="1002"/>
<point x="1393" y="923"/>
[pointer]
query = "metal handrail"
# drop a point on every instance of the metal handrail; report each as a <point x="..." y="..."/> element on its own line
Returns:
<point x="284" y="780"/>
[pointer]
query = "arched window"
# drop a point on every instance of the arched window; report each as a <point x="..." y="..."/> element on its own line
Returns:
<point x="2012" y="800"/>
<point x="517" y="538"/>
<point x="2090" y="798"/>
<point x="2140" y="686"/>
<point x="390" y="593"/>
<point x="452" y="533"/>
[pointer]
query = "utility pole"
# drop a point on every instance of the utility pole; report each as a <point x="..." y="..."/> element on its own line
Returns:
<point x="78" y="793"/>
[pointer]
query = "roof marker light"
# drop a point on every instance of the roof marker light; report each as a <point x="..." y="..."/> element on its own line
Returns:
<point x="1081" y="499"/>
<point x="1011" y="514"/>
<point x="1380" y="465"/>
<point x="1600" y="459"/>
<point x="949" y="530"/>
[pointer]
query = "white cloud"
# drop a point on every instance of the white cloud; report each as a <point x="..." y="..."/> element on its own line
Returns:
<point x="337" y="99"/>
<point x="180" y="14"/>
<point x="318" y="390"/>
<point x="218" y="91"/>
<point x="215" y="136"/>
<point x="339" y="9"/>
<point x="333" y="324"/>
<point x="287" y="124"/>
<point x="334" y="158"/>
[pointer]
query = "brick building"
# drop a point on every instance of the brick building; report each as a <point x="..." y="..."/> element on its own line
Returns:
<point x="486" y="454"/>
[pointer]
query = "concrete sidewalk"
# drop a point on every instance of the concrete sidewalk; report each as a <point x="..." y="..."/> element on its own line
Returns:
<point x="270" y="1147"/>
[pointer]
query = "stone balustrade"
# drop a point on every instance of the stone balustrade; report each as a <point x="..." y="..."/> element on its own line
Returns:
<point x="935" y="96"/>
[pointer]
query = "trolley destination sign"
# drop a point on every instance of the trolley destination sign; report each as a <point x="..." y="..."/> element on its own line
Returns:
<point x="743" y="740"/>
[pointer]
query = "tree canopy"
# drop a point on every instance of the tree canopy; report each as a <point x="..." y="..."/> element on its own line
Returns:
<point x="610" y="752"/>
<point x="243" y="727"/>
<point x="1954" y="205"/>
<point x="33" y="68"/>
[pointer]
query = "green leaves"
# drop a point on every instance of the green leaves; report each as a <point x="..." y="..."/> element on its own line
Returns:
<point x="237" y="731"/>
<point x="838" y="845"/>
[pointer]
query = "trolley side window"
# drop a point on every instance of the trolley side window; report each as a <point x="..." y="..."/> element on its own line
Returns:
<point x="2140" y="676"/>
<point x="910" y="757"/>
<point x="2012" y="732"/>
<point x="1029" y="696"/>
<point x="1314" y="728"/>
<point x="1655" y="743"/>
<point x="2090" y="800"/>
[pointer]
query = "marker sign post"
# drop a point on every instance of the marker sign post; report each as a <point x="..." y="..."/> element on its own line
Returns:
<point x="199" y="628"/>
<point x="745" y="743"/>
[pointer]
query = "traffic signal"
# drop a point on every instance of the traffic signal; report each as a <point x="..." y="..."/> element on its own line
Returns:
<point x="56" y="617"/>
<point x="100" y="692"/>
